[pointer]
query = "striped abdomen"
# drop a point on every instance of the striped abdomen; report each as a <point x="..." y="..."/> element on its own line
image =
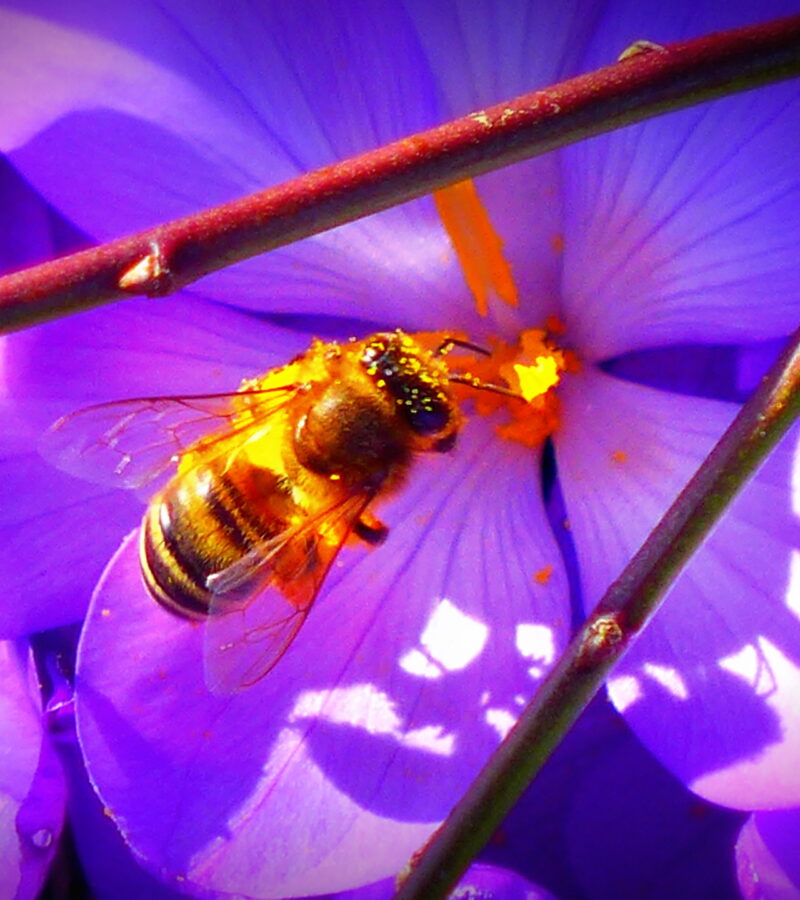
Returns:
<point x="203" y="522"/>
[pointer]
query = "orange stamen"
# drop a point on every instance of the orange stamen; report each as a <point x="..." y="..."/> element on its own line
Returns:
<point x="532" y="368"/>
<point x="477" y="245"/>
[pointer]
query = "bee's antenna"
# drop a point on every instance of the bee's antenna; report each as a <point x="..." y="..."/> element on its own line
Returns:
<point x="473" y="382"/>
<point x="449" y="342"/>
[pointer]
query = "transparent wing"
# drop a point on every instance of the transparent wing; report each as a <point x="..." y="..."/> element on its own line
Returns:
<point x="264" y="598"/>
<point x="130" y="443"/>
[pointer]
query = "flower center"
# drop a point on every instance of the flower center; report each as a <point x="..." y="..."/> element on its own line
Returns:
<point x="530" y="368"/>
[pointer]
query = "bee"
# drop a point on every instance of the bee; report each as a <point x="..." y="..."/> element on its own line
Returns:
<point x="265" y="485"/>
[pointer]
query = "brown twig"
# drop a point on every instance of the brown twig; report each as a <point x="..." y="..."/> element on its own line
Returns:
<point x="164" y="259"/>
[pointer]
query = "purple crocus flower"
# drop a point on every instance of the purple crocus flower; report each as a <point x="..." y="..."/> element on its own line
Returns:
<point x="660" y="248"/>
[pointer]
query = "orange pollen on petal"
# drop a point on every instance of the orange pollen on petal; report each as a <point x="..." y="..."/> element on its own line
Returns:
<point x="543" y="575"/>
<point x="537" y="378"/>
<point x="477" y="245"/>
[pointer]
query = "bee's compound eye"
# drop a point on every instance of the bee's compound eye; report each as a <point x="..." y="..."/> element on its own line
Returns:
<point x="428" y="419"/>
<point x="405" y="375"/>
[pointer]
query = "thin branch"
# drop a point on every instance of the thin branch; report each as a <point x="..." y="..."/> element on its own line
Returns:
<point x="626" y="608"/>
<point x="642" y="85"/>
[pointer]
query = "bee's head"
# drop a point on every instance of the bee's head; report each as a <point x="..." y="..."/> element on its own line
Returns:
<point x="417" y="383"/>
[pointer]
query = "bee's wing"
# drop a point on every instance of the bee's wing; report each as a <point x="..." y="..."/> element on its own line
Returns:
<point x="129" y="443"/>
<point x="248" y="631"/>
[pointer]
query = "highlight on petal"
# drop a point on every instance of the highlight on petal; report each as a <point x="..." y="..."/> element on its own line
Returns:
<point x="711" y="685"/>
<point x="686" y="228"/>
<point x="411" y="662"/>
<point x="31" y="781"/>
<point x="57" y="74"/>
<point x="767" y="861"/>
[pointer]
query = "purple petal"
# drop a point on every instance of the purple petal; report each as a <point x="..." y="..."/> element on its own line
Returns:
<point x="394" y="269"/>
<point x="711" y="686"/>
<point x="94" y="850"/>
<point x="686" y="228"/>
<point x="487" y="882"/>
<point x="31" y="781"/>
<point x="605" y="820"/>
<point x="483" y="53"/>
<point x="140" y="348"/>
<point x="754" y="362"/>
<point x="768" y="856"/>
<point x="56" y="74"/>
<point x="414" y="661"/>
<point x="56" y="533"/>
<point x="306" y="95"/>
<point x="48" y="538"/>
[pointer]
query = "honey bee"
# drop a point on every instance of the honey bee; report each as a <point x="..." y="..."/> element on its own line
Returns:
<point x="268" y="482"/>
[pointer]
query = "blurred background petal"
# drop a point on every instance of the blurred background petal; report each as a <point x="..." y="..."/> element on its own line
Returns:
<point x="768" y="856"/>
<point x="31" y="781"/>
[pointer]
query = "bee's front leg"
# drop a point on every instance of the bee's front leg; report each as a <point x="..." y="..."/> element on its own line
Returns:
<point x="370" y="530"/>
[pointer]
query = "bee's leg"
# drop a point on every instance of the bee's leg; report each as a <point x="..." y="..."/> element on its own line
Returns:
<point x="370" y="529"/>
